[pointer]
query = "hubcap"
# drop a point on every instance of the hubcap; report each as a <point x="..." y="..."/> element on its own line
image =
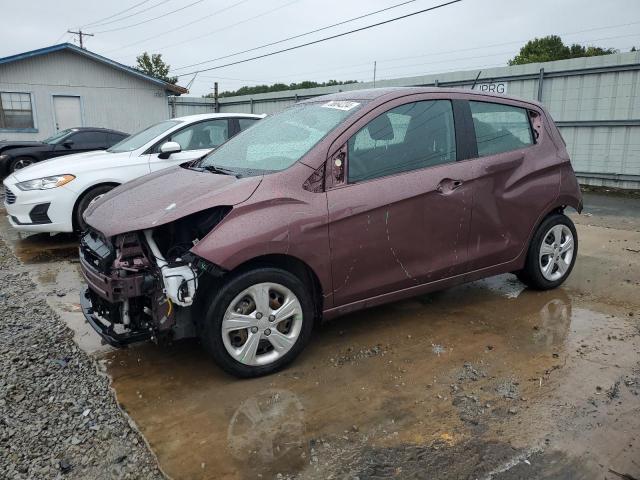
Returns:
<point x="556" y="252"/>
<point x="21" y="164"/>
<point x="262" y="324"/>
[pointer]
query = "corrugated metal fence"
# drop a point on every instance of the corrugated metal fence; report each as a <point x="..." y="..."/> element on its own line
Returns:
<point x="595" y="102"/>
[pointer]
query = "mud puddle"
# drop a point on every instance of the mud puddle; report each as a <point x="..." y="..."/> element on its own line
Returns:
<point x="487" y="380"/>
<point x="489" y="372"/>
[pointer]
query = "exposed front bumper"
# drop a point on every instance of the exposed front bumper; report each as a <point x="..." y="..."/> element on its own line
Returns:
<point x="105" y="329"/>
<point x="109" y="288"/>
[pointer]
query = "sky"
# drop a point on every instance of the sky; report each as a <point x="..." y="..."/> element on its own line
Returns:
<point x="468" y="35"/>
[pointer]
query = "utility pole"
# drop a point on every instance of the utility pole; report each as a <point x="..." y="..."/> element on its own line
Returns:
<point x="374" y="74"/>
<point x="81" y="34"/>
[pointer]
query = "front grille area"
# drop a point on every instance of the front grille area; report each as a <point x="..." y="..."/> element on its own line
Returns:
<point x="9" y="196"/>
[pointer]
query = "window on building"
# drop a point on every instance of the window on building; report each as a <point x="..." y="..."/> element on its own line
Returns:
<point x="16" y="110"/>
<point x="500" y="128"/>
<point x="410" y="137"/>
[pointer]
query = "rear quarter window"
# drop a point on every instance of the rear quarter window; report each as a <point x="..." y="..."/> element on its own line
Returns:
<point x="500" y="128"/>
<point x="245" y="123"/>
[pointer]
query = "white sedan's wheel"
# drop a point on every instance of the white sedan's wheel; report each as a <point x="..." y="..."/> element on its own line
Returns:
<point x="261" y="324"/>
<point x="556" y="252"/>
<point x="21" y="163"/>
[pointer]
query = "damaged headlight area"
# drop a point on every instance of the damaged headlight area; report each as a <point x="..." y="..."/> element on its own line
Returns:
<point x="142" y="285"/>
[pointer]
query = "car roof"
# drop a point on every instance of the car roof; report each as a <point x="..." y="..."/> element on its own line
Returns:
<point x="394" y="92"/>
<point x="207" y="116"/>
<point x="97" y="129"/>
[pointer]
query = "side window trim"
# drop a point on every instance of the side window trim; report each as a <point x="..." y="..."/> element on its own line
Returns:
<point x="233" y="126"/>
<point x="466" y="145"/>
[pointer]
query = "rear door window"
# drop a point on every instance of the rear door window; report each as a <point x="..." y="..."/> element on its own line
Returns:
<point x="500" y="128"/>
<point x="89" y="140"/>
<point x="409" y="137"/>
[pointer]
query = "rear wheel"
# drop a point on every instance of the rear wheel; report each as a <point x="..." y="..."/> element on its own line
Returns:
<point x="84" y="202"/>
<point x="552" y="253"/>
<point x="20" y="163"/>
<point x="258" y="322"/>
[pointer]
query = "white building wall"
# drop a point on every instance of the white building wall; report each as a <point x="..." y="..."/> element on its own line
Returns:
<point x="110" y="98"/>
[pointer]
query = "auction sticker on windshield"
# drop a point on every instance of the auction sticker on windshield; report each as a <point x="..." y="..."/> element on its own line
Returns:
<point x="341" y="105"/>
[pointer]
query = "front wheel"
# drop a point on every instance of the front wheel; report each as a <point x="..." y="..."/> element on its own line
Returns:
<point x="20" y="163"/>
<point x="84" y="202"/>
<point x="258" y="322"/>
<point x="552" y="253"/>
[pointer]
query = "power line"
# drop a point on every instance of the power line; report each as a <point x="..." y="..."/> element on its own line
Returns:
<point x="230" y="26"/>
<point x="60" y="38"/>
<point x="116" y="14"/>
<point x="102" y="24"/>
<point x="151" y="19"/>
<point x="321" y="39"/>
<point x="480" y="47"/>
<point x="165" y="32"/>
<point x="289" y="38"/>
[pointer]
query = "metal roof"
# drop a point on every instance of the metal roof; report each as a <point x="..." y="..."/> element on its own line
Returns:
<point x="94" y="56"/>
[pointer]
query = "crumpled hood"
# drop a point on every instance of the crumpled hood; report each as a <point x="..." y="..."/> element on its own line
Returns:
<point x="73" y="164"/>
<point x="165" y="196"/>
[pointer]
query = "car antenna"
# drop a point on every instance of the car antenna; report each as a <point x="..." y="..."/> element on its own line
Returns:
<point x="476" y="80"/>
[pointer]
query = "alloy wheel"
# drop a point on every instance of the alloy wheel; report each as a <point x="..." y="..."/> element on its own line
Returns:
<point x="556" y="252"/>
<point x="262" y="323"/>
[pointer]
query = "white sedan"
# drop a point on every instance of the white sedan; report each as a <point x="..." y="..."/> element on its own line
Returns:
<point x="51" y="196"/>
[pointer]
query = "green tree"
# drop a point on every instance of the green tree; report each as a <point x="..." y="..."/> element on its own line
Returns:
<point x="279" y="87"/>
<point x="156" y="67"/>
<point x="551" y="48"/>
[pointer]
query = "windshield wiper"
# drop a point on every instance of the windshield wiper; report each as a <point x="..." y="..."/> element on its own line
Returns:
<point x="221" y="170"/>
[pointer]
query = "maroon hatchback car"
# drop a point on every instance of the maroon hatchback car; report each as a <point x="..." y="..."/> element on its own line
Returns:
<point x="338" y="203"/>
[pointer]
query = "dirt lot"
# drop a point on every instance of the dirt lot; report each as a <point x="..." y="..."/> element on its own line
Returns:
<point x="486" y="380"/>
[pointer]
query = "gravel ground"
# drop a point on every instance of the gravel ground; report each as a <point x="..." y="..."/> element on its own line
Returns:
<point x="58" y="415"/>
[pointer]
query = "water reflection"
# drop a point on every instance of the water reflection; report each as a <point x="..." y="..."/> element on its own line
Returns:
<point x="267" y="432"/>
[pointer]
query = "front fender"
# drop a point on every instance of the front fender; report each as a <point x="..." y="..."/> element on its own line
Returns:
<point x="284" y="226"/>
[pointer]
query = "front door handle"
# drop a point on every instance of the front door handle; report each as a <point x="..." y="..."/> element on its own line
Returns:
<point x="448" y="185"/>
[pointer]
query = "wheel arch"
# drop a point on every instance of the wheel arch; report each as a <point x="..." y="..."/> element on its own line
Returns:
<point x="556" y="207"/>
<point x="13" y="159"/>
<point x="84" y="194"/>
<point x="291" y="264"/>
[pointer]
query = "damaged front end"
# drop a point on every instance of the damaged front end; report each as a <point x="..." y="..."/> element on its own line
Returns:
<point x="142" y="285"/>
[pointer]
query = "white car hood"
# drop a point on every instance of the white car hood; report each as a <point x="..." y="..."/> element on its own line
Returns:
<point x="70" y="164"/>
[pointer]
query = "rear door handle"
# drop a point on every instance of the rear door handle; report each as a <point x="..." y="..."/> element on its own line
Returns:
<point x="447" y="185"/>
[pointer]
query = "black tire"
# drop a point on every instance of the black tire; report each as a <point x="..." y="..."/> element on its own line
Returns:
<point x="210" y="328"/>
<point x="19" y="163"/>
<point x="79" y="224"/>
<point x="532" y="275"/>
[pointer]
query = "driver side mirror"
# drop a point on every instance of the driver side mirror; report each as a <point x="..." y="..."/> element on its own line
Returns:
<point x="67" y="143"/>
<point x="167" y="148"/>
